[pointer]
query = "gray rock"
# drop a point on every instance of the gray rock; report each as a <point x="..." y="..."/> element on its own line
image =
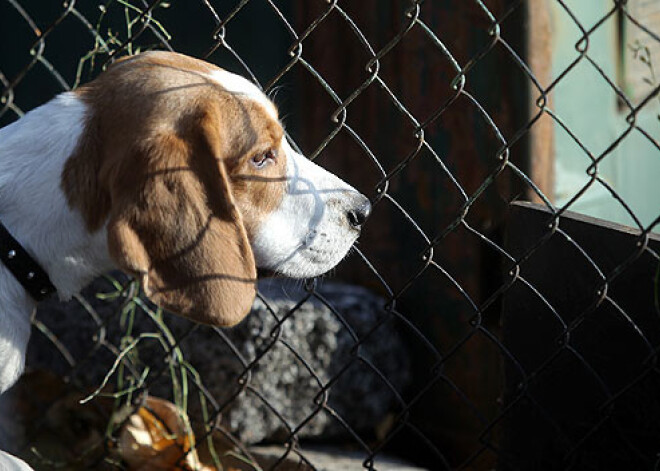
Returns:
<point x="326" y="459"/>
<point x="269" y="375"/>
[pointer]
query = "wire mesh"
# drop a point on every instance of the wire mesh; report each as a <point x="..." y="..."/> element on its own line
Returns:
<point x="385" y="85"/>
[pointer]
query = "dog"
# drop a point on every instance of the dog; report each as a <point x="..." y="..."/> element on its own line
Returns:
<point x="176" y="172"/>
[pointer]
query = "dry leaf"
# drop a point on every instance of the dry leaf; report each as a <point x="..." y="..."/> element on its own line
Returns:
<point x="158" y="437"/>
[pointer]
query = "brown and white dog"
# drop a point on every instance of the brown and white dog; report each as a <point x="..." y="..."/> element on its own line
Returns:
<point x="172" y="170"/>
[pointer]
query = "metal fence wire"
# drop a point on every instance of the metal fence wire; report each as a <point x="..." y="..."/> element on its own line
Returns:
<point x="519" y="339"/>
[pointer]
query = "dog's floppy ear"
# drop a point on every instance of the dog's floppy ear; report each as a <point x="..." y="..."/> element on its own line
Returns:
<point x="174" y="224"/>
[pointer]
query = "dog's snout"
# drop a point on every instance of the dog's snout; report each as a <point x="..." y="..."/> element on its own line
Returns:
<point x="359" y="211"/>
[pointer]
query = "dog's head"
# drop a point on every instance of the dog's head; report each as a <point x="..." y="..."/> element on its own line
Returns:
<point x="188" y="169"/>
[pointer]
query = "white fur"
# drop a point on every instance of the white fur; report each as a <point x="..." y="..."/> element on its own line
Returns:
<point x="240" y="85"/>
<point x="33" y="207"/>
<point x="11" y="463"/>
<point x="309" y="233"/>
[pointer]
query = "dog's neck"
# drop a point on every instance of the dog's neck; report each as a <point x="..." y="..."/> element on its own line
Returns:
<point x="33" y="207"/>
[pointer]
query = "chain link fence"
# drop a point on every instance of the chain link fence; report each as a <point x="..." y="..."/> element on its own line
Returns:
<point x="502" y="334"/>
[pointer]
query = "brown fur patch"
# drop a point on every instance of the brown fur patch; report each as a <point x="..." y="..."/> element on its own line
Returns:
<point x="165" y="159"/>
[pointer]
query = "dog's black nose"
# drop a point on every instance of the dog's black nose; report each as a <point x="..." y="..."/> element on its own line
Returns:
<point x="359" y="213"/>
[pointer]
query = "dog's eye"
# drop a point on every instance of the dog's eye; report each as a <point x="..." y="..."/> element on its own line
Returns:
<point x="262" y="159"/>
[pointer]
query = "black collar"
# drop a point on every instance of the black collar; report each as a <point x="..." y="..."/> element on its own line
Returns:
<point x="28" y="272"/>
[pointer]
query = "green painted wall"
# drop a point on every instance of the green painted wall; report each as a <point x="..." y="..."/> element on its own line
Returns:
<point x="587" y="104"/>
